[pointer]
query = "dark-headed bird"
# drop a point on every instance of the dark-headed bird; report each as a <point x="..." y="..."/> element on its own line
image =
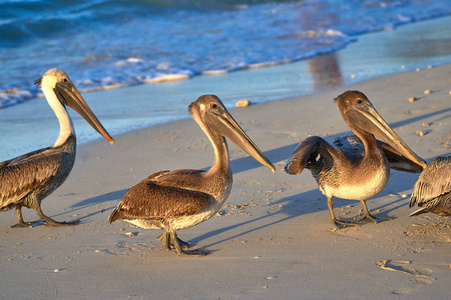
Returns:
<point x="174" y="200"/>
<point x="26" y="180"/>
<point x="355" y="168"/>
<point x="432" y="190"/>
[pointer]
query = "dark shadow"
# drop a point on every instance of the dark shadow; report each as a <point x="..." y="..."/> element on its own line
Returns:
<point x="419" y="118"/>
<point x="247" y="163"/>
<point x="112" y="196"/>
<point x="96" y="213"/>
<point x="302" y="204"/>
<point x="117" y="195"/>
<point x="289" y="212"/>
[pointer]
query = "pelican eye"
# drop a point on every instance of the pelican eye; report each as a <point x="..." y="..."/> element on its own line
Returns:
<point x="65" y="80"/>
<point x="359" y="101"/>
<point x="214" y="105"/>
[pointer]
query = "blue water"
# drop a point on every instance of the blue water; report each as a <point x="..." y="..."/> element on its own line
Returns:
<point x="106" y="44"/>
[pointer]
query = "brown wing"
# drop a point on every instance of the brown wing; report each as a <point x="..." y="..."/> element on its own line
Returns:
<point x="184" y="179"/>
<point x="148" y="200"/>
<point x="164" y="176"/>
<point x="350" y="144"/>
<point x="310" y="151"/>
<point x="22" y="175"/>
<point x="433" y="186"/>
<point x="399" y="162"/>
<point x="395" y="159"/>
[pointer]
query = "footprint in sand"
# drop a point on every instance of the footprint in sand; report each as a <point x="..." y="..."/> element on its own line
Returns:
<point x="417" y="278"/>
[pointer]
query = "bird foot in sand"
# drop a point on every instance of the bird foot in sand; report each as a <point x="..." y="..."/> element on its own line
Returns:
<point x="370" y="218"/>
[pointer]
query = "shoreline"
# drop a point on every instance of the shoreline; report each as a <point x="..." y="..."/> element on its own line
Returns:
<point x="373" y="55"/>
<point x="274" y="237"/>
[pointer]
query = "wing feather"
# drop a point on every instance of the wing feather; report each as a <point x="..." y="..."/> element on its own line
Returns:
<point x="306" y="153"/>
<point x="21" y="175"/>
<point x="433" y="186"/>
<point x="395" y="159"/>
<point x="148" y="200"/>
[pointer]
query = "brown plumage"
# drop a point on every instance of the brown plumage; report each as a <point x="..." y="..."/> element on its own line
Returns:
<point x="174" y="200"/>
<point x="354" y="168"/>
<point x="432" y="190"/>
<point x="144" y="199"/>
<point x="26" y="180"/>
<point x="396" y="160"/>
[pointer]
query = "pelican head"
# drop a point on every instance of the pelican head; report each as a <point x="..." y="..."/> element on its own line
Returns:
<point x="360" y="115"/>
<point x="57" y="82"/>
<point x="210" y="113"/>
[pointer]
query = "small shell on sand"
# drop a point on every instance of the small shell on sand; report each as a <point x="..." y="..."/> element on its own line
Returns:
<point x="425" y="124"/>
<point x="427" y="92"/>
<point x="421" y="133"/>
<point x="243" y="103"/>
<point x="412" y="99"/>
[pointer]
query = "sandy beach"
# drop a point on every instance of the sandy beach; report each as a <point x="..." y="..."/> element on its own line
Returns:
<point x="273" y="238"/>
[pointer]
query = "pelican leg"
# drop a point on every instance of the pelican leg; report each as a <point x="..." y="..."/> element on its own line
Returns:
<point x="179" y="251"/>
<point x="330" y="205"/>
<point x="51" y="222"/>
<point x="165" y="239"/>
<point x="20" y="222"/>
<point x="369" y="217"/>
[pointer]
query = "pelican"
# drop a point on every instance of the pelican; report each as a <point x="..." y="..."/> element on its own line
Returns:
<point x="26" y="180"/>
<point x="174" y="200"/>
<point x="432" y="190"/>
<point x="355" y="168"/>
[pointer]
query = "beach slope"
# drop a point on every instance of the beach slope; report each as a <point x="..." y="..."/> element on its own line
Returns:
<point x="273" y="238"/>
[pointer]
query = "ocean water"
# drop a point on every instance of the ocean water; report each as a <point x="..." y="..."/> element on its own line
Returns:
<point x="105" y="44"/>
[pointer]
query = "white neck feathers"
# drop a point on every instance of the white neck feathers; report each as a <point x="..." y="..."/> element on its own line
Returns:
<point x="66" y="125"/>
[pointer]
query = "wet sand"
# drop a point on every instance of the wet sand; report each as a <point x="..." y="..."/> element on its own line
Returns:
<point x="273" y="238"/>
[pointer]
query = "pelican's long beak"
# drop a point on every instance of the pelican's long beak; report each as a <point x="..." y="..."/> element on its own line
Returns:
<point x="69" y="95"/>
<point x="221" y="122"/>
<point x="368" y="119"/>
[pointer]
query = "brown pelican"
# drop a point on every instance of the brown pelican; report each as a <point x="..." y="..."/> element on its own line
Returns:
<point x="26" y="180"/>
<point x="174" y="200"/>
<point x="432" y="190"/>
<point x="347" y="172"/>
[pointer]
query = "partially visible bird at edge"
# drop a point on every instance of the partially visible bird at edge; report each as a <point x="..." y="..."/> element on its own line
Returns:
<point x="432" y="190"/>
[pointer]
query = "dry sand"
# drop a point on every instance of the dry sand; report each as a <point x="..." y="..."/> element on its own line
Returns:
<point x="273" y="238"/>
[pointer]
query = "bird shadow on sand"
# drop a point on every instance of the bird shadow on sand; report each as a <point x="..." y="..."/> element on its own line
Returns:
<point x="422" y="118"/>
<point x="247" y="163"/>
<point x="94" y="201"/>
<point x="296" y="206"/>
